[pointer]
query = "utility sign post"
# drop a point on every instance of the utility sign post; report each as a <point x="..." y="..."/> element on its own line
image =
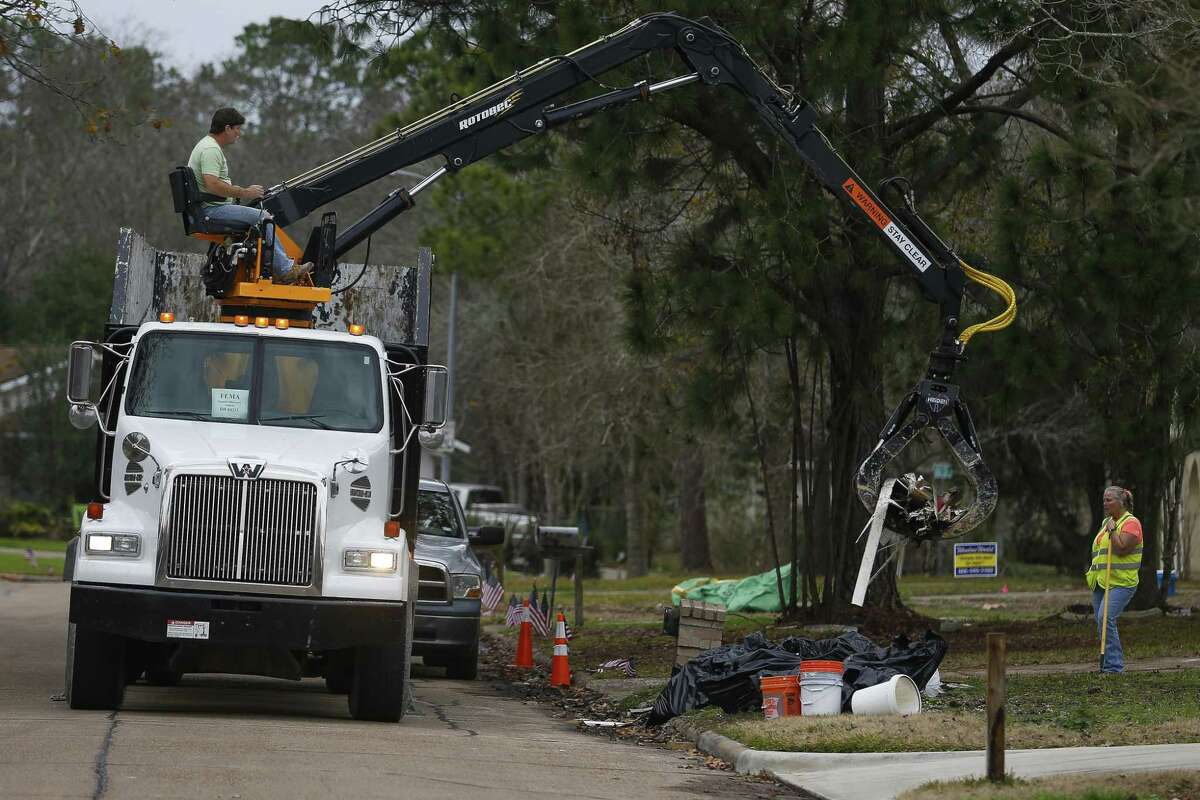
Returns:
<point x="976" y="559"/>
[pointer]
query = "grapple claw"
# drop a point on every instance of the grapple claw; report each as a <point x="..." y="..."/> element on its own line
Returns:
<point x="916" y="512"/>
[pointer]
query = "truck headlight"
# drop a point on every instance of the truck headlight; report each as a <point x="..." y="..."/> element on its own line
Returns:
<point x="464" y="586"/>
<point x="113" y="544"/>
<point x="370" y="560"/>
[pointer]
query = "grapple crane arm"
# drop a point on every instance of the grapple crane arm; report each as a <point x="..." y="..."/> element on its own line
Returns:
<point x="524" y="105"/>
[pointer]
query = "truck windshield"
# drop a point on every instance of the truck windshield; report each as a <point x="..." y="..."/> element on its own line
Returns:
<point x="256" y="380"/>
<point x="435" y="515"/>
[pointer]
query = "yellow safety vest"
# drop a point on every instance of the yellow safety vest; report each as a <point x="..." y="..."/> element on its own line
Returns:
<point x="1124" y="568"/>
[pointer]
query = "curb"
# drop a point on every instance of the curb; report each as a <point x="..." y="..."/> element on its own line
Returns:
<point x="745" y="760"/>
<point x="17" y="577"/>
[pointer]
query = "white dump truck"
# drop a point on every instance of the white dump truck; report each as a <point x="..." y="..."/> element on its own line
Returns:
<point x="256" y="486"/>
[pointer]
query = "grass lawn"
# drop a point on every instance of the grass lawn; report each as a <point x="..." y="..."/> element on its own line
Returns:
<point x="624" y="620"/>
<point x="1017" y="577"/>
<point x="12" y="563"/>
<point x="1112" y="786"/>
<point x="57" y="545"/>
<point x="1056" y="641"/>
<point x="1042" y="711"/>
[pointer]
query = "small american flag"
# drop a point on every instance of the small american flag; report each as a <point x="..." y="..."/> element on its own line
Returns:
<point x="537" y="615"/>
<point x="567" y="625"/>
<point x="623" y="664"/>
<point x="493" y="593"/>
<point x="513" y="615"/>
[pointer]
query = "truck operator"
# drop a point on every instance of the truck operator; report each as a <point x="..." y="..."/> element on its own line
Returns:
<point x="211" y="169"/>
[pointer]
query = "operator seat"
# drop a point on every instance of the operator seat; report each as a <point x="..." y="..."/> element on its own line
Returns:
<point x="189" y="204"/>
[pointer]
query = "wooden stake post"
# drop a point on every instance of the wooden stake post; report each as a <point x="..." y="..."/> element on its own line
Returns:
<point x="997" y="690"/>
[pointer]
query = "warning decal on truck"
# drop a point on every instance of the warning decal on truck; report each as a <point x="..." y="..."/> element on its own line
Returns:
<point x="897" y="237"/>
<point x="186" y="629"/>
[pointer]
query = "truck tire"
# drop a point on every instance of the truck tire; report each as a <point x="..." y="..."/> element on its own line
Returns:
<point x="377" y="685"/>
<point x="156" y="676"/>
<point x="464" y="664"/>
<point x="95" y="669"/>
<point x="339" y="671"/>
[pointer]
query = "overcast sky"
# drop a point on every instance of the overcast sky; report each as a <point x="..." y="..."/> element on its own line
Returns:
<point x="188" y="32"/>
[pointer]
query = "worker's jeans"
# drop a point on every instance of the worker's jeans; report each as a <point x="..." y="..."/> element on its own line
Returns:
<point x="1113" y="659"/>
<point x="231" y="212"/>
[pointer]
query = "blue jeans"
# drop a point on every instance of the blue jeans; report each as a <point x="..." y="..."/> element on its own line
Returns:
<point x="1113" y="659"/>
<point x="231" y="212"/>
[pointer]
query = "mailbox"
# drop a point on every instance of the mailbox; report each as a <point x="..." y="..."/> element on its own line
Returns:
<point x="561" y="542"/>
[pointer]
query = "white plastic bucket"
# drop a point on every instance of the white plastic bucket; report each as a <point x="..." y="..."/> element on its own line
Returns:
<point x="899" y="695"/>
<point x="820" y="694"/>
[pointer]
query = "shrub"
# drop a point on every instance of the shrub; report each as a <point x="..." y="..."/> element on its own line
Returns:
<point x="24" y="520"/>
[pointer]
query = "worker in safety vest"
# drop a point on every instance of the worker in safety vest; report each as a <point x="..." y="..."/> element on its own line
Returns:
<point x="1120" y="538"/>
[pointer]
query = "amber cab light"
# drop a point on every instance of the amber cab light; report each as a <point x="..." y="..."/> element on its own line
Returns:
<point x="282" y="323"/>
<point x="166" y="317"/>
<point x="391" y="529"/>
<point x="262" y="322"/>
<point x="95" y="510"/>
<point x="241" y="320"/>
<point x="357" y="329"/>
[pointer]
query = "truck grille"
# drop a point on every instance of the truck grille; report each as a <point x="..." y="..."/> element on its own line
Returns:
<point x="222" y="529"/>
<point x="433" y="585"/>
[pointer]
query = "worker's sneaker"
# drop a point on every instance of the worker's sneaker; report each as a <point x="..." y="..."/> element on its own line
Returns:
<point x="296" y="273"/>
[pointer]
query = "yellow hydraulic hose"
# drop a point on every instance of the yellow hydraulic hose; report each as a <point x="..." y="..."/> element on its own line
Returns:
<point x="997" y="285"/>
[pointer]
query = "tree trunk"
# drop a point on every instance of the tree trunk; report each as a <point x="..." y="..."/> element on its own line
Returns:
<point x="1147" y="487"/>
<point x="853" y="326"/>
<point x="761" y="448"/>
<point x="693" y="518"/>
<point x="635" y="536"/>
<point x="1174" y="507"/>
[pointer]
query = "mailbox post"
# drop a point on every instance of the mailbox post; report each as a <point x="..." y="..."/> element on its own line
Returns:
<point x="557" y="543"/>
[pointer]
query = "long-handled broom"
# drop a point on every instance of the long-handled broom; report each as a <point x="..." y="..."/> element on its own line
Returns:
<point x="1107" y="584"/>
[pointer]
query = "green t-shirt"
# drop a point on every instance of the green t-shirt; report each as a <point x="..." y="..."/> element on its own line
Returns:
<point x="209" y="159"/>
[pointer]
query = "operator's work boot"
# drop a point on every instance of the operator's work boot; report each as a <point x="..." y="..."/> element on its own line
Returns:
<point x="297" y="272"/>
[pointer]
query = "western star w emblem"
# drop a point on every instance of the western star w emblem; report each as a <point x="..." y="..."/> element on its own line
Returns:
<point x="502" y="107"/>
<point x="246" y="469"/>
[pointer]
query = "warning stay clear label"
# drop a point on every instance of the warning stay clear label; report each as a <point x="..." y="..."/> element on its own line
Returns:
<point x="186" y="629"/>
<point x="905" y="245"/>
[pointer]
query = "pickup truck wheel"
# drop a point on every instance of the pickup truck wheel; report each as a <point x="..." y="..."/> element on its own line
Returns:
<point x="339" y="671"/>
<point x="95" y="669"/>
<point x="463" y="665"/>
<point x="377" y="686"/>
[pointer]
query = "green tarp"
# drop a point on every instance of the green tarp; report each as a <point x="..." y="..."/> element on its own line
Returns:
<point x="756" y="593"/>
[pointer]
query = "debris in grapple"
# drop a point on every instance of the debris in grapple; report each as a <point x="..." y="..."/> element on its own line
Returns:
<point x="918" y="512"/>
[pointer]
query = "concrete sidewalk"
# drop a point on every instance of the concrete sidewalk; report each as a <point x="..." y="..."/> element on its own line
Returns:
<point x="882" y="776"/>
<point x="47" y="554"/>
<point x="886" y="777"/>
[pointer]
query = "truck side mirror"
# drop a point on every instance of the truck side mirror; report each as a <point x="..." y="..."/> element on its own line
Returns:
<point x="436" y="387"/>
<point x="486" y="535"/>
<point x="79" y="373"/>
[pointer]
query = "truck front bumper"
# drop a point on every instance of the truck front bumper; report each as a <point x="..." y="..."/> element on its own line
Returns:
<point x="238" y="619"/>
<point x="443" y="628"/>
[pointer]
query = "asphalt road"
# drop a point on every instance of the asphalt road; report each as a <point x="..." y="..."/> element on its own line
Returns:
<point x="231" y="737"/>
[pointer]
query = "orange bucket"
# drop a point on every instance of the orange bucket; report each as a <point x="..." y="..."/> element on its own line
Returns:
<point x="781" y="695"/>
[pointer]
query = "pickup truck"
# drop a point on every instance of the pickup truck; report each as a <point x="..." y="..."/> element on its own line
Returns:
<point x="446" y="626"/>
<point x="485" y="505"/>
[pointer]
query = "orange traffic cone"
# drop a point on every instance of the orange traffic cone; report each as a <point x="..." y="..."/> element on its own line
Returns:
<point x="560" y="668"/>
<point x="525" y="640"/>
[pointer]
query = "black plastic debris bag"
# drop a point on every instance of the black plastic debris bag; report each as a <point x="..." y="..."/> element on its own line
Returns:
<point x="727" y="676"/>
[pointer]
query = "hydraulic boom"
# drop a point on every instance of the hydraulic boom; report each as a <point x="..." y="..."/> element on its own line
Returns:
<point x="524" y="105"/>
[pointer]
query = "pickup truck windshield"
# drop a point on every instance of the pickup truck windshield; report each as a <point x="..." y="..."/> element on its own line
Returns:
<point x="436" y="516"/>
<point x="256" y="380"/>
